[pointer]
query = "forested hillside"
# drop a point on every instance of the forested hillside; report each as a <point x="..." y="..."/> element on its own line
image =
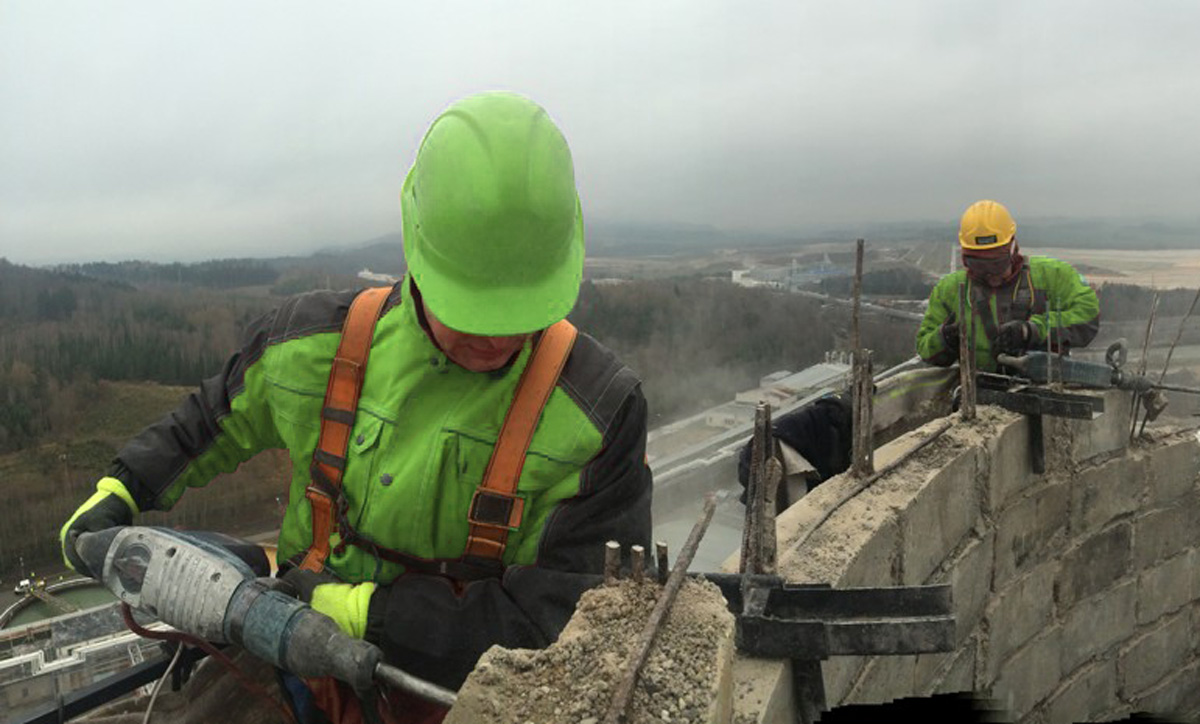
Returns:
<point x="696" y="343"/>
<point x="61" y="332"/>
<point x="1128" y="302"/>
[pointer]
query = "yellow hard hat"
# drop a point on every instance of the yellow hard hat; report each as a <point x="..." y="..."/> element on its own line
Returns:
<point x="986" y="225"/>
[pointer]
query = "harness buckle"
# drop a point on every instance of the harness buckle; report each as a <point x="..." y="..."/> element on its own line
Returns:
<point x="492" y="509"/>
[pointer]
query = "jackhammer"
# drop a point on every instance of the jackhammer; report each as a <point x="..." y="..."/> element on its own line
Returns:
<point x="1042" y="368"/>
<point x="203" y="589"/>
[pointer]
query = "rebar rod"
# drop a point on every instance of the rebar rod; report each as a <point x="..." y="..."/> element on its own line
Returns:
<point x="623" y="693"/>
<point x="660" y="551"/>
<point x="637" y="563"/>
<point x="1142" y="363"/>
<point x="761" y="450"/>
<point x="1167" y="364"/>
<point x="859" y="463"/>
<point x="966" y="361"/>
<point x="846" y="495"/>
<point x="612" y="562"/>
<point x="1178" y="336"/>
<point x="855" y="332"/>
<point x="1049" y="343"/>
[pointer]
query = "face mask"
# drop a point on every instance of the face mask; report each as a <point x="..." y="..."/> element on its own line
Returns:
<point x="992" y="271"/>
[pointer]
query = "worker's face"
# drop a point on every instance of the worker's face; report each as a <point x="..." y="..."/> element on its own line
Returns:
<point x="991" y="266"/>
<point x="471" y="351"/>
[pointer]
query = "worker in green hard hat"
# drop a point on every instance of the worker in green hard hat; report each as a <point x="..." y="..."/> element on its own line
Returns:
<point x="401" y="529"/>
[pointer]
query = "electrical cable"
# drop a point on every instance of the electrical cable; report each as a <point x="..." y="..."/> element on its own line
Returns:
<point x="249" y="684"/>
<point x="158" y="684"/>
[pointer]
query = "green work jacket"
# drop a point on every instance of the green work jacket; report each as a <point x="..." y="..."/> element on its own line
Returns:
<point x="1048" y="292"/>
<point x="422" y="439"/>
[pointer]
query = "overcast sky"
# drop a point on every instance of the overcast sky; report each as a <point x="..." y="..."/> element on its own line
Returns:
<point x="200" y="128"/>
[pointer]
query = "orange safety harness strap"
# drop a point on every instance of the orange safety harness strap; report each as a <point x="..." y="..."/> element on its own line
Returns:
<point x="496" y="508"/>
<point x="337" y="419"/>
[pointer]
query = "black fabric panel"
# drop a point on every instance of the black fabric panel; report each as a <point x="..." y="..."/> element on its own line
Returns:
<point x="596" y="380"/>
<point x="424" y="626"/>
<point x="613" y="502"/>
<point x="1075" y="335"/>
<point x="820" y="432"/>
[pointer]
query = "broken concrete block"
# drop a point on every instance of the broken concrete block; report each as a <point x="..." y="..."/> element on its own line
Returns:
<point x="688" y="676"/>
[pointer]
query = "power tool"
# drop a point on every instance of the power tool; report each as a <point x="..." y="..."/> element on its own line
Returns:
<point x="199" y="587"/>
<point x="1042" y="368"/>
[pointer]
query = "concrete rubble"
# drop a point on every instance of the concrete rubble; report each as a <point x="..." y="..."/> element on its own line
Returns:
<point x="686" y="679"/>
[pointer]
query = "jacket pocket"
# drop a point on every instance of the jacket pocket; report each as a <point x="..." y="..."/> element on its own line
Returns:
<point x="362" y="464"/>
<point x="539" y="472"/>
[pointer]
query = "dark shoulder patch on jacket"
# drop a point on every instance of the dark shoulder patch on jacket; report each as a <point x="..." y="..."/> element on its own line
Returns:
<point x="316" y="312"/>
<point x="299" y="316"/>
<point x="597" y="381"/>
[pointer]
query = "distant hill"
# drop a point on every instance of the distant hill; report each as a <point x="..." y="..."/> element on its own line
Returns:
<point x="1038" y="232"/>
<point x="384" y="255"/>
<point x="336" y="266"/>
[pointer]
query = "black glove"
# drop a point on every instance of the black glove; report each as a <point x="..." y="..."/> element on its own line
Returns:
<point x="108" y="508"/>
<point x="299" y="583"/>
<point x="1015" y="337"/>
<point x="950" y="336"/>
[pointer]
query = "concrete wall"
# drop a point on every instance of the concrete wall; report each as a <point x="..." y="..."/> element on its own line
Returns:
<point x="1077" y="592"/>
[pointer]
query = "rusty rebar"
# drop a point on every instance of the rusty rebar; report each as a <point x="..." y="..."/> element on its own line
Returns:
<point x="1178" y="335"/>
<point x="859" y="456"/>
<point x="1049" y="344"/>
<point x="660" y="551"/>
<point x="762" y="448"/>
<point x="862" y="435"/>
<point x="612" y="562"/>
<point x="855" y="333"/>
<point x="846" y="495"/>
<point x="637" y="563"/>
<point x="1142" y="364"/>
<point x="966" y="356"/>
<point x="769" y="541"/>
<point x="623" y="693"/>
<point x="758" y="533"/>
<point x="1170" y="352"/>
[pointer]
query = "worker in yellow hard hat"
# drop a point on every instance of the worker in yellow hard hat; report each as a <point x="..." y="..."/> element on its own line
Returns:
<point x="1015" y="301"/>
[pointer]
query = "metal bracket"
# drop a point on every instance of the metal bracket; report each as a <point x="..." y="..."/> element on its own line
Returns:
<point x="1014" y="394"/>
<point x="808" y="623"/>
<point x="814" y="621"/>
<point x="1017" y="395"/>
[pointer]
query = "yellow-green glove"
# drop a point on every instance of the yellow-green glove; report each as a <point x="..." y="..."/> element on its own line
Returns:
<point x="110" y="506"/>
<point x="346" y="603"/>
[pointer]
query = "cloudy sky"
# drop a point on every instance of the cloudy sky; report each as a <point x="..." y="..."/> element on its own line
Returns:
<point x="198" y="128"/>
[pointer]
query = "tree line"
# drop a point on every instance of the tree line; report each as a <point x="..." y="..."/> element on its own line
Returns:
<point x="62" y="331"/>
<point x="1129" y="302"/>
<point x="696" y="343"/>
<point x="218" y="273"/>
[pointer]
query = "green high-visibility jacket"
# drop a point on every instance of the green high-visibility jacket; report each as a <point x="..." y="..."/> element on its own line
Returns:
<point x="1047" y="292"/>
<point x="422" y="439"/>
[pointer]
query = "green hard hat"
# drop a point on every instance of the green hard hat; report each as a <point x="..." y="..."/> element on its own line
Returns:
<point x="493" y="232"/>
